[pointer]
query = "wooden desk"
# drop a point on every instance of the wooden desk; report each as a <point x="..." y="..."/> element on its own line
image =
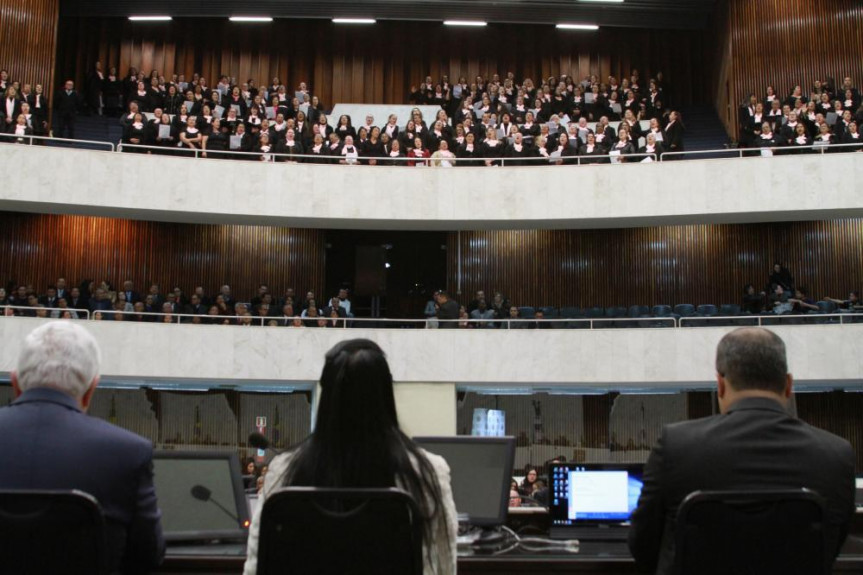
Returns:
<point x="592" y="558"/>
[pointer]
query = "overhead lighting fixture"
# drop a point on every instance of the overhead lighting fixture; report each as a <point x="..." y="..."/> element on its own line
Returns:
<point x="577" y="27"/>
<point x="464" y="23"/>
<point x="354" y="20"/>
<point x="251" y="18"/>
<point x="604" y="1"/>
<point x="150" y="18"/>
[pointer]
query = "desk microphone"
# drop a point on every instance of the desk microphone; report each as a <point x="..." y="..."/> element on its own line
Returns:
<point x="204" y="494"/>
<point x="258" y="441"/>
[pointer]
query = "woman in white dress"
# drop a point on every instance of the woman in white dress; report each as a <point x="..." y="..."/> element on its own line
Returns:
<point x="357" y="442"/>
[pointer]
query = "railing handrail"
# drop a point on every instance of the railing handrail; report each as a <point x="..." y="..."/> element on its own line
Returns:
<point x="62" y="309"/>
<point x="739" y="152"/>
<point x="346" y="322"/>
<point x="109" y="145"/>
<point x="363" y="160"/>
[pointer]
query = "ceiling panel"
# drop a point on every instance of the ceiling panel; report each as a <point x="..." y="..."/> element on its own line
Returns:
<point x="672" y="14"/>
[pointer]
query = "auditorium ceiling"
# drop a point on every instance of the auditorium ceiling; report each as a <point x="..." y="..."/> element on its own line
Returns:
<point x="670" y="14"/>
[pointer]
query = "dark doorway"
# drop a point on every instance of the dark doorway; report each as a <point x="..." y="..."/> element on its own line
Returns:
<point x="390" y="274"/>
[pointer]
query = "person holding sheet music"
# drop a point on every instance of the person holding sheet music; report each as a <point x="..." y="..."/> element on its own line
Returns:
<point x="622" y="147"/>
<point x="766" y="140"/>
<point x="163" y="133"/>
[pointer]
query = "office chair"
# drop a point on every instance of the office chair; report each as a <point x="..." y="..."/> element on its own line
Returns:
<point x="327" y="531"/>
<point x="51" y="532"/>
<point x="763" y="532"/>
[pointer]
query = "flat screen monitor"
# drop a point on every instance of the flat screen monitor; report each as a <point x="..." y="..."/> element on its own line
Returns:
<point x="201" y="496"/>
<point x="593" y="493"/>
<point x="480" y="472"/>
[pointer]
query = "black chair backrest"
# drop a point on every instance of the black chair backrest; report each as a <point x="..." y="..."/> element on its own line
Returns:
<point x="324" y="531"/>
<point x="707" y="310"/>
<point x="661" y="310"/>
<point x="727" y="309"/>
<point x="684" y="309"/>
<point x="638" y="311"/>
<point x="51" y="532"/>
<point x="763" y="532"/>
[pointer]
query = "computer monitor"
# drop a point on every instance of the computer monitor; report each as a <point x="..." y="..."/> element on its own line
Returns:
<point x="480" y="474"/>
<point x="591" y="494"/>
<point x="201" y="495"/>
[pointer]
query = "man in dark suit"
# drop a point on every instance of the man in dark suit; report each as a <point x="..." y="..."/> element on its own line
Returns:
<point x="47" y="441"/>
<point x="448" y="310"/>
<point x="66" y="103"/>
<point x="754" y="444"/>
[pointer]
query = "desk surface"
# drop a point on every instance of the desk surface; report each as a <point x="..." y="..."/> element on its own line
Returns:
<point x="592" y="557"/>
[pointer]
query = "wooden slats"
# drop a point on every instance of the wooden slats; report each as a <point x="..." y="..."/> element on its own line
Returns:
<point x="28" y="36"/>
<point x="37" y="249"/>
<point x="783" y="44"/>
<point x="695" y="264"/>
<point x="379" y="63"/>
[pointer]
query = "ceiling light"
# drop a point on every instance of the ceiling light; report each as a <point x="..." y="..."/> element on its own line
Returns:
<point x="354" y="20"/>
<point x="464" y="23"/>
<point x="604" y="1"/>
<point x="149" y="18"/>
<point x="251" y="19"/>
<point x="577" y="27"/>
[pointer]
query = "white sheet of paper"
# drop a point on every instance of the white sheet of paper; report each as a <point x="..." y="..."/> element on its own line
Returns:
<point x="164" y="131"/>
<point x="219" y="111"/>
<point x="236" y="142"/>
<point x="271" y="113"/>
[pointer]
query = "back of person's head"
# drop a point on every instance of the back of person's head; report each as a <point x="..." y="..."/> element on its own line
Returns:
<point x="59" y="355"/>
<point x="752" y="359"/>
<point x="357" y="441"/>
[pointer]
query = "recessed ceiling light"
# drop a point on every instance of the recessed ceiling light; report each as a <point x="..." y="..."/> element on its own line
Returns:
<point x="149" y="18"/>
<point x="251" y="19"/>
<point x="464" y="23"/>
<point x="577" y="27"/>
<point x="604" y="1"/>
<point x="354" y="20"/>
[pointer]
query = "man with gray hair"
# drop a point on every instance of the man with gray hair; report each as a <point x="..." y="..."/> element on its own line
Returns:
<point x="47" y="441"/>
<point x="754" y="444"/>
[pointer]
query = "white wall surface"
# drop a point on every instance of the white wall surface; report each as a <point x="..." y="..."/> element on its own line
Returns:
<point x="614" y="358"/>
<point x="52" y="180"/>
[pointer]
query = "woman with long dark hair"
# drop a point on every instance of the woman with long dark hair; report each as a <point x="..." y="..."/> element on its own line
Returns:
<point x="357" y="442"/>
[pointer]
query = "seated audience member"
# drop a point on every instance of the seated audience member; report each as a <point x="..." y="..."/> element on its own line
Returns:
<point x="514" y="498"/>
<point x="801" y="302"/>
<point x="754" y="444"/>
<point x="527" y="484"/>
<point x="357" y="442"/>
<point x="482" y="315"/>
<point x="514" y="314"/>
<point x="47" y="427"/>
<point x="850" y="304"/>
<point x="752" y="302"/>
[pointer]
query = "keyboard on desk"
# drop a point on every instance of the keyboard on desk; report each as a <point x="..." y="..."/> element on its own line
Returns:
<point x="215" y="550"/>
<point x="588" y="533"/>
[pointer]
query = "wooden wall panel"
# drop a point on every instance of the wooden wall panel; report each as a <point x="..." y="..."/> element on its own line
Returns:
<point x="380" y="63"/>
<point x="37" y="249"/>
<point x="647" y="266"/>
<point x="28" y="40"/>
<point x="788" y="43"/>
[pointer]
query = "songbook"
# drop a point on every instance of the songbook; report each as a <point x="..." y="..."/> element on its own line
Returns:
<point x="271" y="113"/>
<point x="589" y="98"/>
<point x="300" y="96"/>
<point x="219" y="111"/>
<point x="831" y="118"/>
<point x="164" y="131"/>
<point x="616" y="108"/>
<point x="236" y="142"/>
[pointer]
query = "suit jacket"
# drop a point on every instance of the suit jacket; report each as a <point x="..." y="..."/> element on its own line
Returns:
<point x="47" y="442"/>
<point x="66" y="104"/>
<point x="755" y="445"/>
